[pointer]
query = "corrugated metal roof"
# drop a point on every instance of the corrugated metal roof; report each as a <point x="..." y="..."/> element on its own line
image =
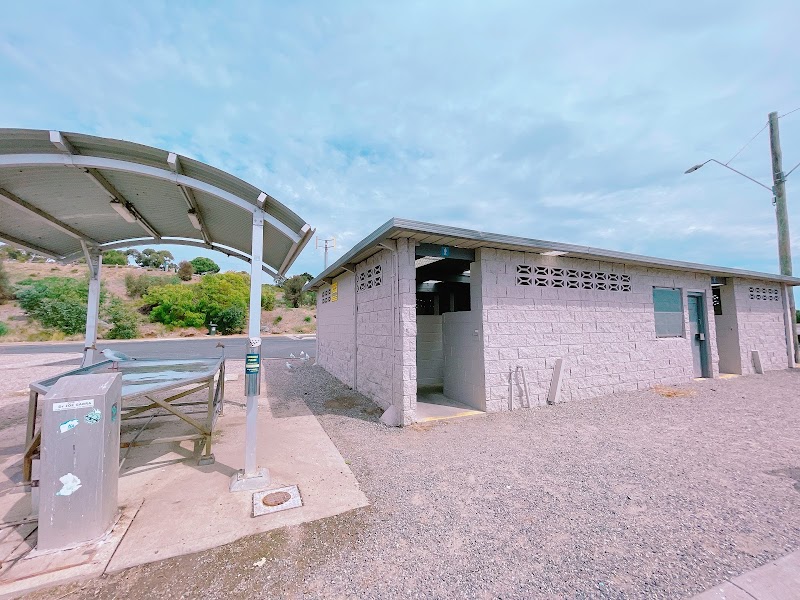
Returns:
<point x="466" y="238"/>
<point x="39" y="175"/>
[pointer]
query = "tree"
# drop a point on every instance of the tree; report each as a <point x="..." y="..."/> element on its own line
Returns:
<point x="115" y="257"/>
<point x="293" y="290"/>
<point x="203" y="265"/>
<point x="185" y="270"/>
<point x="308" y="276"/>
<point x="156" y="259"/>
<point x="6" y="291"/>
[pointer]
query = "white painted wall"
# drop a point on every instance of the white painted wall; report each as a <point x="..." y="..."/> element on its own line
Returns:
<point x="430" y="352"/>
<point x="463" y="360"/>
<point x="727" y="325"/>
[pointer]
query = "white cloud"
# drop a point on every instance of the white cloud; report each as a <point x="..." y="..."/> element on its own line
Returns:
<point x="572" y="122"/>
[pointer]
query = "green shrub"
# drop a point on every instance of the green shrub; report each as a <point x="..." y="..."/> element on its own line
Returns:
<point x="115" y="257"/>
<point x="138" y="285"/>
<point x="203" y="265"/>
<point x="185" y="270"/>
<point x="124" y="323"/>
<point x="231" y="320"/>
<point x="307" y="319"/>
<point x="6" y="291"/>
<point x="58" y="302"/>
<point x="175" y="305"/>
<point x="267" y="297"/>
<point x="277" y="320"/>
<point x="219" y="291"/>
<point x="3" y="329"/>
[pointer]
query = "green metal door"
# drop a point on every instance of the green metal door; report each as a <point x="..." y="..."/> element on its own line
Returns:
<point x="697" y="334"/>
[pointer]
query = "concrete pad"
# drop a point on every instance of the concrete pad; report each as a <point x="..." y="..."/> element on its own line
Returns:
<point x="185" y="507"/>
<point x="725" y="591"/>
<point x="778" y="580"/>
<point x="188" y="508"/>
<point x="25" y="571"/>
<point x="433" y="406"/>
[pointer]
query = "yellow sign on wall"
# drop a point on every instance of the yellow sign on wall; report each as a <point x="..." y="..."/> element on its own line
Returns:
<point x="334" y="291"/>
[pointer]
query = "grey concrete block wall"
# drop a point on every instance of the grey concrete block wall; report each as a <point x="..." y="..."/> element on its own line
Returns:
<point x="370" y="331"/>
<point x="406" y="342"/>
<point x="761" y="324"/>
<point x="374" y="314"/>
<point x="607" y="339"/>
<point x="336" y="330"/>
<point x="430" y="355"/>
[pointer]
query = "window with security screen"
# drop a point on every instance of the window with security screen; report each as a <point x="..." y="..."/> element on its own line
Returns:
<point x="668" y="306"/>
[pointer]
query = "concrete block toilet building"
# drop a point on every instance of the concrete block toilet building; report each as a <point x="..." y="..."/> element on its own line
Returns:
<point x="419" y="313"/>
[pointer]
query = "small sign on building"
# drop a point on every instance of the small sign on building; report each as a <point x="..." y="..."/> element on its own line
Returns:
<point x="334" y="291"/>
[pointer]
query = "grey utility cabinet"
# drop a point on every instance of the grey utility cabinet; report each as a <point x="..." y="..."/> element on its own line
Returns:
<point x="79" y="460"/>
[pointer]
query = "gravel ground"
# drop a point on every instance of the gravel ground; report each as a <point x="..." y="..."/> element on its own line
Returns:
<point x="646" y="495"/>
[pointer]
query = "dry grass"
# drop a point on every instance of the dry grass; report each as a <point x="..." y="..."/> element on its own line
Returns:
<point x="673" y="392"/>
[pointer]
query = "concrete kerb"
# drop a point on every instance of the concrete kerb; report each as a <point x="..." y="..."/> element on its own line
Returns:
<point x="777" y="580"/>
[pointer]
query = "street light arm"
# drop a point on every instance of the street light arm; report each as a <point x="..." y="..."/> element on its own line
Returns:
<point x="694" y="168"/>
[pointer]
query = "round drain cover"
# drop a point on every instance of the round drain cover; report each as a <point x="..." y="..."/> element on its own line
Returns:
<point x="276" y="498"/>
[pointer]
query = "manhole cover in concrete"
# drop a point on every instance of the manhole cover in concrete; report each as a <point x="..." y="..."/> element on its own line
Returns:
<point x="276" y="498"/>
<point x="270" y="501"/>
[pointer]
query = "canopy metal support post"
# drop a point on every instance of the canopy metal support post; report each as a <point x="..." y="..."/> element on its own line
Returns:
<point x="253" y="478"/>
<point x="95" y="260"/>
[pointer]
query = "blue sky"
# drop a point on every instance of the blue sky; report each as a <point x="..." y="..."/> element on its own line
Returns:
<point x="569" y="121"/>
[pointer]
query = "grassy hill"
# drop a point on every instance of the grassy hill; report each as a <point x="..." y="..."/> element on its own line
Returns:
<point x="22" y="328"/>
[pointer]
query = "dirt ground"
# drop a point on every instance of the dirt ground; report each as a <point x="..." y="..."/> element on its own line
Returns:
<point x="281" y="320"/>
<point x="660" y="494"/>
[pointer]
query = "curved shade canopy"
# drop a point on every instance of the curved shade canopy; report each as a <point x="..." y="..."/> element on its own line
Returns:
<point x="61" y="193"/>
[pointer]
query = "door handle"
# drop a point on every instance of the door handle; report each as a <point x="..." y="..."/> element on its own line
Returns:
<point x="701" y="337"/>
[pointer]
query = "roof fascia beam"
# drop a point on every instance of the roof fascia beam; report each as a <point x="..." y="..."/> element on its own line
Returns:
<point x="14" y="200"/>
<point x="63" y="144"/>
<point x="232" y="252"/>
<point x="113" y="164"/>
<point x="297" y="248"/>
<point x="174" y="162"/>
<point x="351" y="267"/>
<point x="9" y="239"/>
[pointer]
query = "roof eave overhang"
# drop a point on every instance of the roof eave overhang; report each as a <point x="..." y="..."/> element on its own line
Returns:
<point x="42" y="149"/>
<point x="396" y="227"/>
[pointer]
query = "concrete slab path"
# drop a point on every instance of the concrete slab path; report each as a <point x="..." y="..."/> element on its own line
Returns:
<point x="777" y="580"/>
<point x="185" y="508"/>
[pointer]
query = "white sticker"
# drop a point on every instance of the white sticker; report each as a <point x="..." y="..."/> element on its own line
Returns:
<point x="68" y="425"/>
<point x="71" y="484"/>
<point x="73" y="404"/>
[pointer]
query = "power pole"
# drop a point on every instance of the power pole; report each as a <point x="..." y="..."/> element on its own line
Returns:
<point x="782" y="216"/>
<point x="325" y="243"/>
